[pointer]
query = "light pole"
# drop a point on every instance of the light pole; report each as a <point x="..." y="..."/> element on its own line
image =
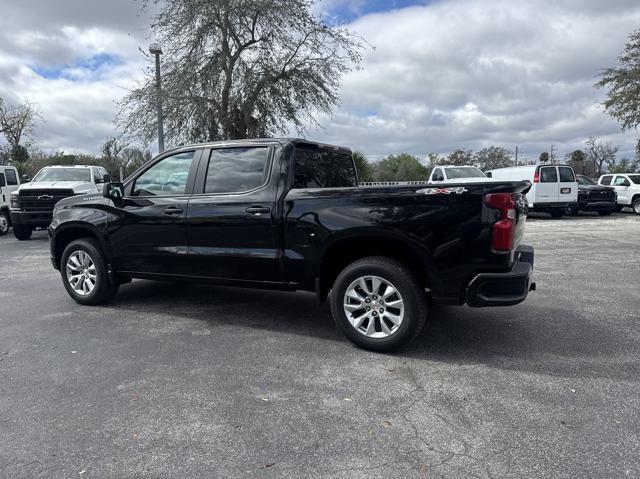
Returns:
<point x="155" y="50"/>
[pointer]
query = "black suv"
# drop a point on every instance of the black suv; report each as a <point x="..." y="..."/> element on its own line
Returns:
<point x="594" y="197"/>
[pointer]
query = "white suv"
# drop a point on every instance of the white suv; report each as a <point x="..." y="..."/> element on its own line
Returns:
<point x="456" y="174"/>
<point x="627" y="185"/>
<point x="9" y="182"/>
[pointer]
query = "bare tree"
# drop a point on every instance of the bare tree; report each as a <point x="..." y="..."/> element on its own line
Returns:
<point x="17" y="123"/>
<point x="240" y="68"/>
<point x="600" y="153"/>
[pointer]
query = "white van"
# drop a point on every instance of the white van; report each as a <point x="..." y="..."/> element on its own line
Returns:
<point x="9" y="182"/>
<point x="456" y="174"/>
<point x="554" y="188"/>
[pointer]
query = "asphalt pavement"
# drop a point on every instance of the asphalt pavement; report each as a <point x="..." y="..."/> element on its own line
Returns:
<point x="177" y="380"/>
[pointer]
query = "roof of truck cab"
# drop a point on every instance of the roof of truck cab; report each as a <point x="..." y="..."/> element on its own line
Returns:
<point x="249" y="141"/>
<point x="72" y="166"/>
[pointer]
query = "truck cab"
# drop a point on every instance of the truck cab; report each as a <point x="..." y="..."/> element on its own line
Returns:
<point x="9" y="182"/>
<point x="456" y="174"/>
<point x="32" y="203"/>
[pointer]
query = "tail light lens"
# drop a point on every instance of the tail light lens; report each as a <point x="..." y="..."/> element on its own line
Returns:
<point x="536" y="177"/>
<point x="503" y="230"/>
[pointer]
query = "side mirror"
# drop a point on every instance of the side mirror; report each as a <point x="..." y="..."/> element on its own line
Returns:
<point x="113" y="191"/>
<point x="106" y="178"/>
<point x="26" y="179"/>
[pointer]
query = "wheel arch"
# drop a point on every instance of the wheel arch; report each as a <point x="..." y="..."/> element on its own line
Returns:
<point x="68" y="233"/>
<point x="345" y="250"/>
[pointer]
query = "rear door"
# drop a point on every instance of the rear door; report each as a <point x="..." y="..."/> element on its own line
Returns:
<point x="568" y="184"/>
<point x="548" y="188"/>
<point x="232" y="220"/>
<point x="4" y="195"/>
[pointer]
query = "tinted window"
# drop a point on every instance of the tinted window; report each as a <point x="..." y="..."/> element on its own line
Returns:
<point x="437" y="175"/>
<point x="233" y="170"/>
<point x="168" y="177"/>
<point x="621" y="181"/>
<point x="2" y="182"/>
<point x="323" y="169"/>
<point x="583" y="180"/>
<point x="566" y="174"/>
<point x="12" y="178"/>
<point x="634" y="178"/>
<point x="606" y="180"/>
<point x="548" y="175"/>
<point x="97" y="175"/>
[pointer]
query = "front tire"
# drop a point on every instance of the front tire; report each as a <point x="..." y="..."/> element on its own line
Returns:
<point x="84" y="273"/>
<point x="22" y="232"/>
<point x="4" y="223"/>
<point x="557" y="213"/>
<point x="378" y="304"/>
<point x="636" y="206"/>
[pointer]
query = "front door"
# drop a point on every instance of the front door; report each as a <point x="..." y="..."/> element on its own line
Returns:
<point x="231" y="228"/>
<point x="148" y="231"/>
<point x="621" y="185"/>
<point x="548" y="189"/>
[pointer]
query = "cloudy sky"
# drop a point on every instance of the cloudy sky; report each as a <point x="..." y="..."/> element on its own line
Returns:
<point x="444" y="74"/>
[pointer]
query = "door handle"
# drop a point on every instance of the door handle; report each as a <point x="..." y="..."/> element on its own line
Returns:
<point x="172" y="210"/>
<point x="257" y="210"/>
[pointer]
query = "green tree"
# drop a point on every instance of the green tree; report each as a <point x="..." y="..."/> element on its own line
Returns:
<point x="623" y="85"/>
<point x="544" y="157"/>
<point x="402" y="167"/>
<point x="493" y="157"/>
<point x="362" y="166"/>
<point x="578" y="160"/>
<point x="240" y="69"/>
<point x="459" y="157"/>
<point x="624" y="166"/>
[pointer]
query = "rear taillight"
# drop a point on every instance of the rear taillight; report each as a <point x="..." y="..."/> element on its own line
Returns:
<point x="536" y="177"/>
<point x="503" y="230"/>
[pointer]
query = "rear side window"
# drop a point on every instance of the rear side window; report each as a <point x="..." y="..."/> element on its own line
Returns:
<point x="12" y="178"/>
<point x="548" y="174"/>
<point x="606" y="180"/>
<point x="2" y="182"/>
<point x="236" y="170"/>
<point x="621" y="181"/>
<point x="566" y="174"/>
<point x="322" y="169"/>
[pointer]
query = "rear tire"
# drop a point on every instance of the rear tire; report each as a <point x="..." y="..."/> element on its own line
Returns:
<point x="376" y="329"/>
<point x="4" y="223"/>
<point x="22" y="232"/>
<point x="557" y="213"/>
<point x="84" y="273"/>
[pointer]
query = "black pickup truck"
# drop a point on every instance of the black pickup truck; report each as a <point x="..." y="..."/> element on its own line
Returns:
<point x="289" y="214"/>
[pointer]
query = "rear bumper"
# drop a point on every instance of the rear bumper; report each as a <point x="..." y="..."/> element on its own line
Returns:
<point x="36" y="219"/>
<point x="504" y="288"/>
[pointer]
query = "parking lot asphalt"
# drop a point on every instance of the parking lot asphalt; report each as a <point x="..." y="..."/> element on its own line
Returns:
<point x="175" y="380"/>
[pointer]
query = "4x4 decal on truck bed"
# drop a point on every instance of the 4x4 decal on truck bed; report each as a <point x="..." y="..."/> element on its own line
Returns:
<point x="443" y="191"/>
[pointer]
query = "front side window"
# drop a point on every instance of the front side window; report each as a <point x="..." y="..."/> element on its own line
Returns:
<point x="566" y="174"/>
<point x="317" y="168"/>
<point x="548" y="174"/>
<point x="64" y="174"/>
<point x="236" y="170"/>
<point x="621" y="181"/>
<point x="437" y="175"/>
<point x="12" y="178"/>
<point x="606" y="180"/>
<point x="166" y="178"/>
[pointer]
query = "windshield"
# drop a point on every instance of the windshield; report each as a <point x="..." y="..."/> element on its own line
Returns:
<point x="583" y="180"/>
<point x="635" y="179"/>
<point x="464" y="172"/>
<point x="64" y="174"/>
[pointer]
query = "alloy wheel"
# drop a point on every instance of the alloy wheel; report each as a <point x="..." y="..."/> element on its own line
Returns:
<point x="374" y="306"/>
<point x="4" y="224"/>
<point x="81" y="273"/>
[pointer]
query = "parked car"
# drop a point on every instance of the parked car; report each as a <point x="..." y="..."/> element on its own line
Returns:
<point x="32" y="203"/>
<point x="456" y="174"/>
<point x="627" y="186"/>
<point x="288" y="214"/>
<point x="594" y="197"/>
<point x="554" y="188"/>
<point x="9" y="182"/>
